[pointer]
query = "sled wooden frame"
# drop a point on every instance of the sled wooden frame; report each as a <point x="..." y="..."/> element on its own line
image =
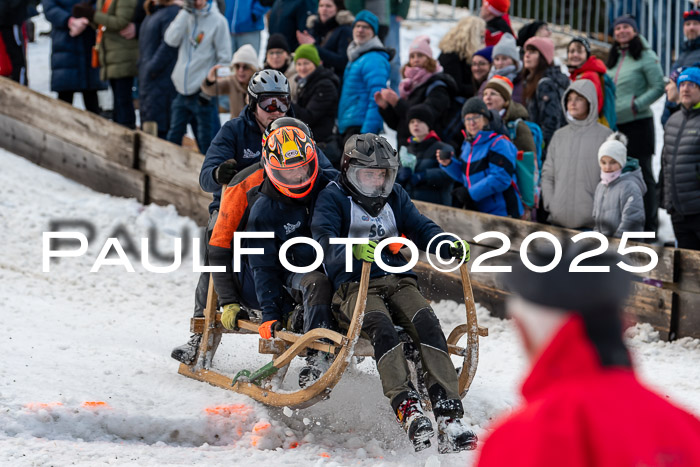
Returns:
<point x="287" y="345"/>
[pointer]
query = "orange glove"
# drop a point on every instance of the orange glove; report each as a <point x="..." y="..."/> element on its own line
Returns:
<point x="266" y="328"/>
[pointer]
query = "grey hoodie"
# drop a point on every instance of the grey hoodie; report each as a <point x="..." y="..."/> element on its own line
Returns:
<point x="571" y="171"/>
<point x="619" y="206"/>
<point x="203" y="40"/>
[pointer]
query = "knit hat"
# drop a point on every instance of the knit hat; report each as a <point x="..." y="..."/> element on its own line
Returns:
<point x="584" y="42"/>
<point x="544" y="45"/>
<point x="246" y="55"/>
<point x="501" y="85"/>
<point x="691" y="15"/>
<point x="278" y="41"/>
<point x="691" y="74"/>
<point x="475" y="105"/>
<point x="421" y="44"/>
<point x="528" y="31"/>
<point x="486" y="52"/>
<point x="615" y="146"/>
<point x="626" y="19"/>
<point x="506" y="46"/>
<point x="309" y="52"/>
<point x="497" y="7"/>
<point x="586" y="293"/>
<point x="369" y="18"/>
<point x="423" y="113"/>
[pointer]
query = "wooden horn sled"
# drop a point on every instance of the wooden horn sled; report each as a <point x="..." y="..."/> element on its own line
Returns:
<point x="262" y="385"/>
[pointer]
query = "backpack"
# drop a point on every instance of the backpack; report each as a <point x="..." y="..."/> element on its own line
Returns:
<point x="607" y="113"/>
<point x="528" y="165"/>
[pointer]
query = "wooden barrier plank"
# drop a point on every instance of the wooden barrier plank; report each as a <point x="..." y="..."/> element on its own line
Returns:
<point x="689" y="271"/>
<point x="74" y="162"/>
<point x="167" y="161"/>
<point x="188" y="203"/>
<point x="468" y="224"/>
<point x="688" y="314"/>
<point x="83" y="129"/>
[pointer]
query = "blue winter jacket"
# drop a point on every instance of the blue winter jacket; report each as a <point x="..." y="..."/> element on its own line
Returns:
<point x="156" y="62"/>
<point x="245" y="16"/>
<point x="71" y="57"/>
<point x="364" y="76"/>
<point x="274" y="213"/>
<point x="332" y="218"/>
<point x="240" y="139"/>
<point x="487" y="168"/>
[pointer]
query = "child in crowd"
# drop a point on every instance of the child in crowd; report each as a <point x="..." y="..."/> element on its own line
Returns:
<point x="420" y="173"/>
<point x="618" y="205"/>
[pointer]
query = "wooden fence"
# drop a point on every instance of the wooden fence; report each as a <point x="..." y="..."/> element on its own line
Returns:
<point x="112" y="159"/>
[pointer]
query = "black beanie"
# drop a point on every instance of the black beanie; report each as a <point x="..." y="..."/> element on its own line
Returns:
<point x="528" y="31"/>
<point x="278" y="41"/>
<point x="597" y="297"/>
<point x="475" y="106"/>
<point x="423" y="113"/>
<point x="584" y="42"/>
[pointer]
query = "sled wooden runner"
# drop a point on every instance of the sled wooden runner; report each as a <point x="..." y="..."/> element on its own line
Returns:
<point x="287" y="345"/>
<point x="303" y="397"/>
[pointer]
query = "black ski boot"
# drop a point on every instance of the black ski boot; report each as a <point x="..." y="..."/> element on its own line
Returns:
<point x="316" y="364"/>
<point x="187" y="353"/>
<point x="452" y="435"/>
<point x="414" y="422"/>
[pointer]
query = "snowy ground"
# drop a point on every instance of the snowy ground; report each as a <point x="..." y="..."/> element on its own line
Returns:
<point x="87" y="378"/>
<point x="74" y="340"/>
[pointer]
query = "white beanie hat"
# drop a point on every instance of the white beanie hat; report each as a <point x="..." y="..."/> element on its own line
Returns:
<point x="246" y="54"/>
<point x="615" y="146"/>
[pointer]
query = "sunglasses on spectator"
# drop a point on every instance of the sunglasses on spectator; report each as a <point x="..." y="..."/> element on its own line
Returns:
<point x="238" y="66"/>
<point x="274" y="104"/>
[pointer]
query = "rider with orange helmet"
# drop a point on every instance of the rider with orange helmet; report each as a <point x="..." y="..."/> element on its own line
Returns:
<point x="293" y="179"/>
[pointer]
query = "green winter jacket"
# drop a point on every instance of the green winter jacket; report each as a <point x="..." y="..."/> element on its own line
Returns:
<point x="400" y="8"/>
<point x="637" y="81"/>
<point x="381" y="8"/>
<point x="118" y="56"/>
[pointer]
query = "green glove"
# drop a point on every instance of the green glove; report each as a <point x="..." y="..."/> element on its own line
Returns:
<point x="460" y="249"/>
<point x="232" y="312"/>
<point x="364" y="252"/>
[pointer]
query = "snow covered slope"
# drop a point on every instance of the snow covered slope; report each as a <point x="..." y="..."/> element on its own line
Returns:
<point x="86" y="376"/>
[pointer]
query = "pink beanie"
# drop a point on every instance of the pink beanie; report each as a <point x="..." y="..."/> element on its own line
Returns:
<point x="544" y="45"/>
<point x="421" y="44"/>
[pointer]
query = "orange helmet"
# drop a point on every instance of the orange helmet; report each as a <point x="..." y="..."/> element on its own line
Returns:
<point x="290" y="161"/>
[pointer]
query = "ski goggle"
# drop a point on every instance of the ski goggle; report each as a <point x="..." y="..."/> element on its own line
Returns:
<point x="275" y="104"/>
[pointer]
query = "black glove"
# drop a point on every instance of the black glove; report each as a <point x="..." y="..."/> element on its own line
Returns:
<point x="83" y="10"/>
<point x="224" y="173"/>
<point x="463" y="198"/>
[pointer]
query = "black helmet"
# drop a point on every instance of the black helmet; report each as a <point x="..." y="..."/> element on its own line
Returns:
<point x="268" y="83"/>
<point x="286" y="121"/>
<point x="369" y="151"/>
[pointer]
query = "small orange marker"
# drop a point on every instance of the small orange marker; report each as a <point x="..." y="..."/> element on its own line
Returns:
<point x="294" y="445"/>
<point x="41" y="405"/>
<point x="325" y="454"/>
<point x="261" y="426"/>
<point x="90" y="404"/>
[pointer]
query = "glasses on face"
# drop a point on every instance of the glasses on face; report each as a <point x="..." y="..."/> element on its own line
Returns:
<point x="473" y="120"/>
<point x="362" y="26"/>
<point x="480" y="64"/>
<point x="239" y="66"/>
<point x="274" y="104"/>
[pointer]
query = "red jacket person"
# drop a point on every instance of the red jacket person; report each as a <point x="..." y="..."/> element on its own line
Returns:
<point x="583" y="404"/>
